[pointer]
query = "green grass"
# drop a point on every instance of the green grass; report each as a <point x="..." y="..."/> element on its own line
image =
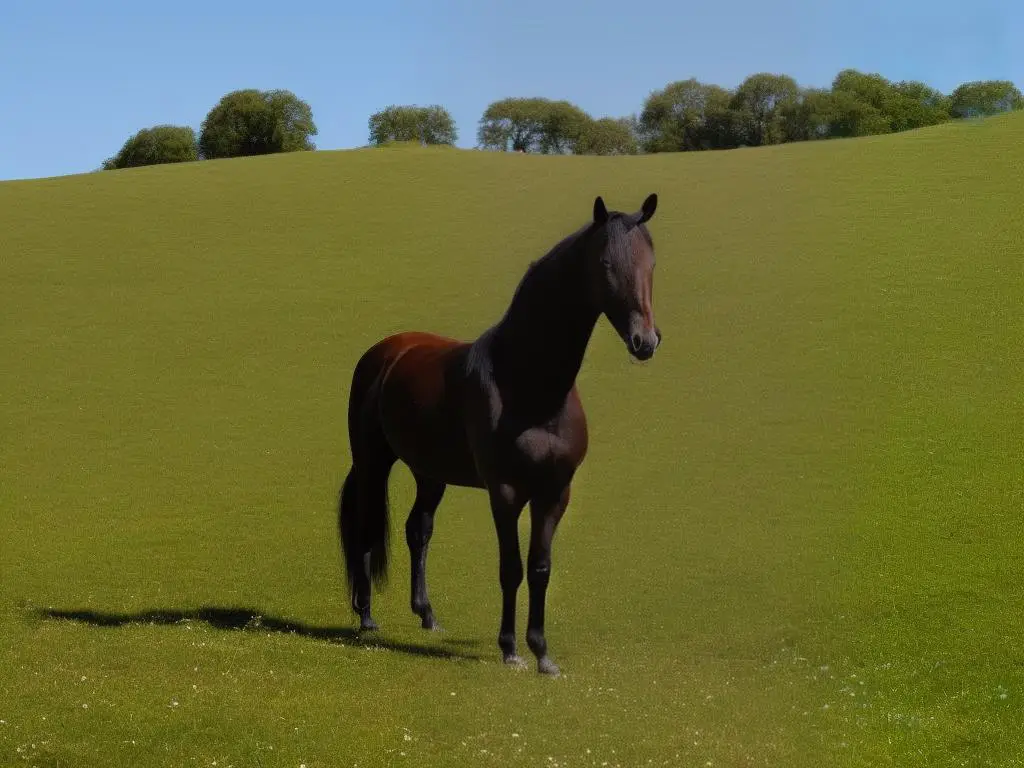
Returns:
<point x="796" y="539"/>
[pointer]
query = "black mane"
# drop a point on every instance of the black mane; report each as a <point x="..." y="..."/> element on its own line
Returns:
<point x="549" y="317"/>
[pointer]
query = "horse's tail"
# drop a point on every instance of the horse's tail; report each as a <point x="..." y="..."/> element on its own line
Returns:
<point x="363" y="522"/>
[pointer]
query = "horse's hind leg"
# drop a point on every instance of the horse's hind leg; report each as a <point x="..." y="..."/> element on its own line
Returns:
<point x="418" y="529"/>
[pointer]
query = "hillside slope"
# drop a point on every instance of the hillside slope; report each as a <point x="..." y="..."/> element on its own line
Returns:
<point x="796" y="538"/>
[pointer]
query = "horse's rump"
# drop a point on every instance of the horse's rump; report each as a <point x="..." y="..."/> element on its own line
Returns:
<point x="417" y="395"/>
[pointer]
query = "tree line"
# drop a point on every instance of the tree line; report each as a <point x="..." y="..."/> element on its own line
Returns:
<point x="685" y="115"/>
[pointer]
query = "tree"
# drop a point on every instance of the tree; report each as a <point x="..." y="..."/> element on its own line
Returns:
<point x="688" y="115"/>
<point x="852" y="116"/>
<point x="513" y="123"/>
<point x="869" y="104"/>
<point x="427" y="125"/>
<point x="923" y="94"/>
<point x="531" y="125"/>
<point x="985" y="97"/>
<point x="607" y="136"/>
<point x="561" y="127"/>
<point x="252" y="122"/>
<point x="810" y="116"/>
<point x="917" y="105"/>
<point x="870" y="88"/>
<point x="761" y="101"/>
<point x="152" y="146"/>
<point x="724" y="128"/>
<point x="865" y="104"/>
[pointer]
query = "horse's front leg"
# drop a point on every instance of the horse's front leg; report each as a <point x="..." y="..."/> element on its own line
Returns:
<point x="506" y="506"/>
<point x="545" y="512"/>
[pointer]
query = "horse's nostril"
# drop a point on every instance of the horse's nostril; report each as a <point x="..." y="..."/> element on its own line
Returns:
<point x="636" y="341"/>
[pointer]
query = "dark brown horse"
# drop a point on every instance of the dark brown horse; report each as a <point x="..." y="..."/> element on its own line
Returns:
<point x="501" y="413"/>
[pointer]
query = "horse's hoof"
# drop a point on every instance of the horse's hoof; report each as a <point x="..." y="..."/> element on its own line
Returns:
<point x="368" y="625"/>
<point x="546" y="666"/>
<point x="431" y="623"/>
<point x="515" y="661"/>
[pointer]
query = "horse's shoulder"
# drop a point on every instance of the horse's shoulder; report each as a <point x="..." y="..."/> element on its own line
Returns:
<point x="478" y="364"/>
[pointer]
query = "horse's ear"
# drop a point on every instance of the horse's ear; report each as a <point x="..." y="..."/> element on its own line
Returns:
<point x="600" y="212"/>
<point x="647" y="209"/>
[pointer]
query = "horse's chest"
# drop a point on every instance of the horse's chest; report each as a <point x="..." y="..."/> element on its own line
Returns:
<point x="523" y="441"/>
<point x="549" y="454"/>
<point x="542" y="445"/>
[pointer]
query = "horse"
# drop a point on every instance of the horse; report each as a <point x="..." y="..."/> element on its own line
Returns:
<point x="500" y="414"/>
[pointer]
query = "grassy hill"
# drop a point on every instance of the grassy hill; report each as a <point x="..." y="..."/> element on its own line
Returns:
<point x="796" y="539"/>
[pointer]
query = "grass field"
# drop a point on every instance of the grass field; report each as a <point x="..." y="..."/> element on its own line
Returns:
<point x="796" y="540"/>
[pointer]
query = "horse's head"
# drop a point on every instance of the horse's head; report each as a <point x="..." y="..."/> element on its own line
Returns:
<point x="621" y="274"/>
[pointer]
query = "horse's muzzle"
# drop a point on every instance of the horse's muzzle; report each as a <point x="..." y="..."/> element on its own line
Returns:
<point x="643" y="344"/>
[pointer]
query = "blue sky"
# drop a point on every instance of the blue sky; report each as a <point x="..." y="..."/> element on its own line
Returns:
<point x="78" y="78"/>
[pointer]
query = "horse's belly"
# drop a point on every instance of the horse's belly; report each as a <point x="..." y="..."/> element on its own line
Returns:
<point x="436" y="452"/>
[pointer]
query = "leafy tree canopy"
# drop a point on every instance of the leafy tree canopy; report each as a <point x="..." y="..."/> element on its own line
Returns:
<point x="152" y="146"/>
<point x="427" y="125"/>
<point x="252" y="122"/>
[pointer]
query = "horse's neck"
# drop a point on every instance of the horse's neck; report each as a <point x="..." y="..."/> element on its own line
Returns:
<point x="538" y="346"/>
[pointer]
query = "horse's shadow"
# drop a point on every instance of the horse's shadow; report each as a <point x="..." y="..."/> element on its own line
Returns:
<point x="247" y="620"/>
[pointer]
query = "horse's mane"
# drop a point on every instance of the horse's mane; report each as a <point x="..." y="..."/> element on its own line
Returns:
<point x="538" y="269"/>
<point x="538" y="278"/>
<point x="618" y="228"/>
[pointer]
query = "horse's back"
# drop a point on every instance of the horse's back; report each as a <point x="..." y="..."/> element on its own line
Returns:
<point x="390" y="348"/>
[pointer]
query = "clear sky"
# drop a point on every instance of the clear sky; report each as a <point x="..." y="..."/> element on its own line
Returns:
<point x="79" y="77"/>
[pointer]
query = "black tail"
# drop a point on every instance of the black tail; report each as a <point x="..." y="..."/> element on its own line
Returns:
<point x="348" y="524"/>
<point x="363" y="521"/>
<point x="365" y="528"/>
